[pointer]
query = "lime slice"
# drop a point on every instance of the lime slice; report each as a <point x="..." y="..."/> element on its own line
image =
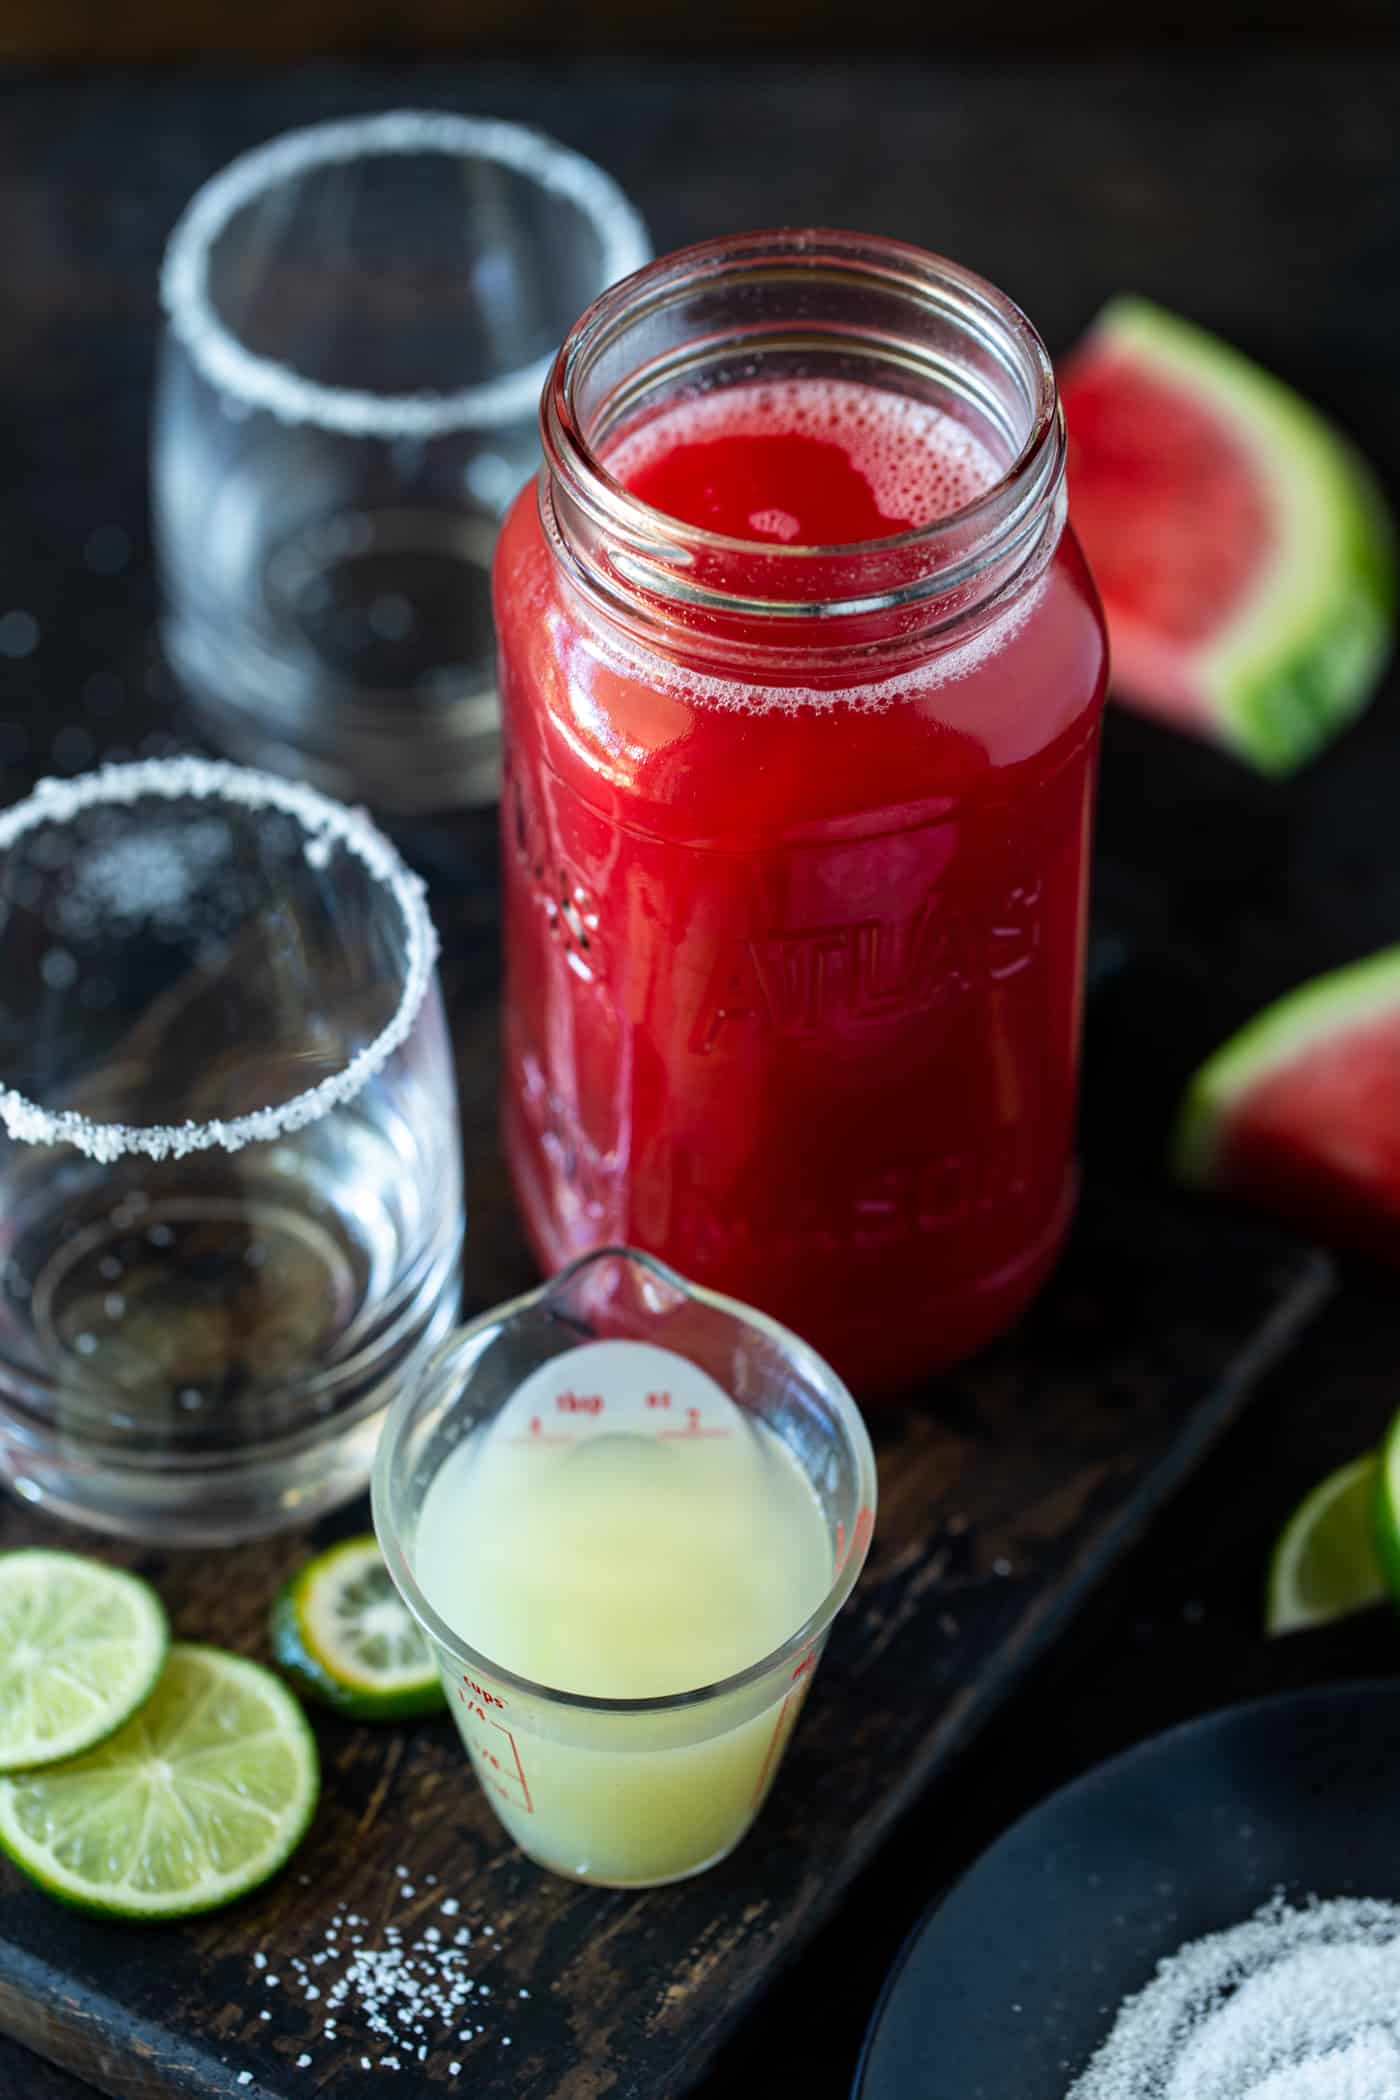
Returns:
<point x="81" y="1645"/>
<point x="1325" y="1564"/>
<point x="340" y="1629"/>
<point x="202" y="1795"/>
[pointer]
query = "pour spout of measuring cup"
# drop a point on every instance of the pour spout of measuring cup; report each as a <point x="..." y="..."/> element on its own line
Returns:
<point x="621" y="1293"/>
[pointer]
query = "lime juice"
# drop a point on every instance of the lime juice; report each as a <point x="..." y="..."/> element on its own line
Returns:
<point x="624" y="1532"/>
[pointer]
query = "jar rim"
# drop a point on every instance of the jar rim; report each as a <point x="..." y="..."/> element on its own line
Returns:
<point x="1034" y="472"/>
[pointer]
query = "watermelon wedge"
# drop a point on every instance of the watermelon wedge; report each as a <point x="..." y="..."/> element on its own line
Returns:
<point x="1300" y="1112"/>
<point x="1242" y="548"/>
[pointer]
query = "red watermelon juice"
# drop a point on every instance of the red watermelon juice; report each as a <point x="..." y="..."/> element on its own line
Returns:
<point x="794" y="925"/>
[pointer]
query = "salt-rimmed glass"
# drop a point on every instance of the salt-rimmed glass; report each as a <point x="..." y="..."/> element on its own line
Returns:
<point x="361" y="318"/>
<point x="230" y="1185"/>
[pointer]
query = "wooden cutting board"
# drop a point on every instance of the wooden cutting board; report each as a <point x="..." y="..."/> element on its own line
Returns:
<point x="1004" y="1496"/>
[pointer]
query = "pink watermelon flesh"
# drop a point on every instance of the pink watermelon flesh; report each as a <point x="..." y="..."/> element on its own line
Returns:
<point x="1317" y="1140"/>
<point x="1168" y="509"/>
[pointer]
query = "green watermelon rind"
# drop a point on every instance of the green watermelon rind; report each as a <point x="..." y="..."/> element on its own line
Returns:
<point x="1315" y="1012"/>
<point x="1302" y="659"/>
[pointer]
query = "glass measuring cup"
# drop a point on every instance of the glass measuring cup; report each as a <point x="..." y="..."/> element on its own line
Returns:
<point x="628" y="1792"/>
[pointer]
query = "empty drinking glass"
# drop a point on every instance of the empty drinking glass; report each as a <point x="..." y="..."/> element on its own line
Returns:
<point x="361" y="317"/>
<point x="230" y="1186"/>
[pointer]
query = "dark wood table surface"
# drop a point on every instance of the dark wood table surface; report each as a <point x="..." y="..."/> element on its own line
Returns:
<point x="1259" y="192"/>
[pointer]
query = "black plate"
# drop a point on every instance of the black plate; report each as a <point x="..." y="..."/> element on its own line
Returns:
<point x="1009" y="1984"/>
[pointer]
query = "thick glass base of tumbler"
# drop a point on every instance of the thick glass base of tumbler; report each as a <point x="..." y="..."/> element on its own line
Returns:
<point x="218" y="1507"/>
<point x="395" y="765"/>
<point x="181" y="1498"/>
<point x="368" y="667"/>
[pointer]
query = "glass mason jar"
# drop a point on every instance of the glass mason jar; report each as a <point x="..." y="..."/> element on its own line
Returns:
<point x="796" y="837"/>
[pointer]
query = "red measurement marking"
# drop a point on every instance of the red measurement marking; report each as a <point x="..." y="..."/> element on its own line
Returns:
<point x="579" y="1403"/>
<point x="860" y="1536"/>
<point x="658" y="1399"/>
<point x="508" y="1771"/>
<point x="770" y="1753"/>
<point x="519" y="1770"/>
<point x="782" y="1726"/>
<point x="486" y="1698"/>
<point x="693" y="1428"/>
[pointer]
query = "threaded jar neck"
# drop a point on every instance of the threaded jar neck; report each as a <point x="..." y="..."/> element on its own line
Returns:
<point x="787" y="305"/>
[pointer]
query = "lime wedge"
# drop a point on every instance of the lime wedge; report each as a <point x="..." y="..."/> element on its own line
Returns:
<point x="1325" y="1564"/>
<point x="1386" y="1509"/>
<point x="202" y="1795"/>
<point x="341" y="1631"/>
<point x="81" y="1645"/>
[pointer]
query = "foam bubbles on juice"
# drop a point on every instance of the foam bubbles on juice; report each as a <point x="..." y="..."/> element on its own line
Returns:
<point x="919" y="463"/>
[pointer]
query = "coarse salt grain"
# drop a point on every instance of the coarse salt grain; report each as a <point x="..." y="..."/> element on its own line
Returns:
<point x="1295" y="2004"/>
<point x="408" y="1994"/>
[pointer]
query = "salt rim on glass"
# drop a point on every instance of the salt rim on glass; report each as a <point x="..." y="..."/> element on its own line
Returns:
<point x="261" y="382"/>
<point x="325" y="822"/>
